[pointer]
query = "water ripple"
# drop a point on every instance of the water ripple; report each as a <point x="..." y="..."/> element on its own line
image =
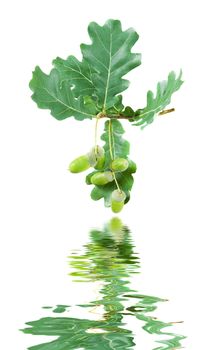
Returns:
<point x="110" y="258"/>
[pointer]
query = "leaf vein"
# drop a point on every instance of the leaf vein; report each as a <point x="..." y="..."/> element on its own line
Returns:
<point x="109" y="72"/>
<point x="67" y="106"/>
<point x="74" y="70"/>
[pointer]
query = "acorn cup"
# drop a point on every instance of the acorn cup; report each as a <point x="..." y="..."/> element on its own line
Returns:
<point x="100" y="162"/>
<point x="97" y="157"/>
<point x="79" y="164"/>
<point x="119" y="164"/>
<point x="117" y="200"/>
<point x="102" y="178"/>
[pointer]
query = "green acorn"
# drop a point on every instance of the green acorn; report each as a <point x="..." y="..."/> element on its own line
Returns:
<point x="97" y="157"/>
<point x="117" y="200"/>
<point x="100" y="158"/>
<point x="102" y="178"/>
<point x="79" y="164"/>
<point x="119" y="164"/>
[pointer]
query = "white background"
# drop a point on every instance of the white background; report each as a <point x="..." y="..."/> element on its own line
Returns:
<point x="45" y="211"/>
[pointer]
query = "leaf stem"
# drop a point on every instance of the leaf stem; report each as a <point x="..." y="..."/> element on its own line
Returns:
<point x="115" y="179"/>
<point x="110" y="140"/>
<point x="111" y="151"/>
<point x="98" y="116"/>
<point x="115" y="116"/>
<point x="95" y="136"/>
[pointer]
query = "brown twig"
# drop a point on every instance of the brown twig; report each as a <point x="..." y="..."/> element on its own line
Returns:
<point x="121" y="116"/>
<point x="167" y="111"/>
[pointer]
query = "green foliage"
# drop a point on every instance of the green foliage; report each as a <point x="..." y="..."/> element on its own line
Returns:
<point x="77" y="74"/>
<point x="52" y="93"/>
<point x="91" y="88"/>
<point x="157" y="103"/>
<point x="110" y="58"/>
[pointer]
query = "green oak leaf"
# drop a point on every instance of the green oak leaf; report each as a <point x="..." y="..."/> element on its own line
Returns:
<point x="50" y="93"/>
<point x="156" y="104"/>
<point x="115" y="147"/>
<point x="76" y="73"/>
<point x="117" y="108"/>
<point x="110" y="58"/>
<point x="128" y="112"/>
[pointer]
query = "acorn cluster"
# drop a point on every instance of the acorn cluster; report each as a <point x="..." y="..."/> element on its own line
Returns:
<point x="95" y="158"/>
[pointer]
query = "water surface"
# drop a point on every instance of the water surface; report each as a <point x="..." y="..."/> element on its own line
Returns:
<point x="110" y="258"/>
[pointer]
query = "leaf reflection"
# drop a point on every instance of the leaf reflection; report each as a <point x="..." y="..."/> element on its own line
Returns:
<point x="109" y="257"/>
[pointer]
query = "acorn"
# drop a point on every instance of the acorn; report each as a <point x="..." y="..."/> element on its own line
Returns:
<point x="79" y="164"/>
<point x="119" y="164"/>
<point x="100" y="158"/>
<point x="97" y="157"/>
<point x="102" y="178"/>
<point x="117" y="200"/>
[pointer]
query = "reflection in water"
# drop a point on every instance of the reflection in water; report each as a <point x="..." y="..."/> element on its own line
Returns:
<point x="109" y="258"/>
